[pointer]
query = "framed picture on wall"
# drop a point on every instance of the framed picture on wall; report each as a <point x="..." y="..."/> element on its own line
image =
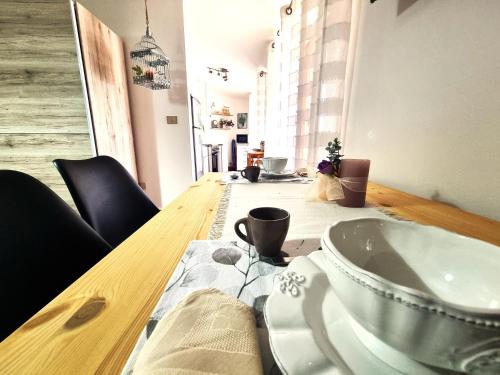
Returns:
<point x="242" y="120"/>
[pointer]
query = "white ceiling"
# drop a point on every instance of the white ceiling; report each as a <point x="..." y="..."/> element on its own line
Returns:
<point x="233" y="34"/>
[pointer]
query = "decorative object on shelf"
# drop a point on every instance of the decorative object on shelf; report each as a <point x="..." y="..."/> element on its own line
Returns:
<point x="222" y="124"/>
<point x="242" y="120"/>
<point x="226" y="124"/>
<point x="340" y="180"/>
<point x="150" y="66"/>
<point x="220" y="113"/>
<point x="224" y="111"/>
<point x="221" y="72"/>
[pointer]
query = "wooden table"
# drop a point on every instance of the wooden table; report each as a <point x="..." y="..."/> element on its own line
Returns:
<point x="93" y="325"/>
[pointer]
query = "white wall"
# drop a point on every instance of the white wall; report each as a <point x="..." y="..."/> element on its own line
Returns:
<point x="163" y="151"/>
<point x="425" y="105"/>
<point x="233" y="34"/>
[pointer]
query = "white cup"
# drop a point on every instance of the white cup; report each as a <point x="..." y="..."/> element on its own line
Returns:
<point x="274" y="165"/>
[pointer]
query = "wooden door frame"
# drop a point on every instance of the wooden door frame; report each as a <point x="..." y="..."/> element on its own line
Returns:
<point x="191" y="100"/>
<point x="83" y="76"/>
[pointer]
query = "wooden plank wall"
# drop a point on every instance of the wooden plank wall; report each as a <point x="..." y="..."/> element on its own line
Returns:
<point x="42" y="113"/>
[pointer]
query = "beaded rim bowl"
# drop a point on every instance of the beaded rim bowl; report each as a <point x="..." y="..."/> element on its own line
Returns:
<point x="410" y="284"/>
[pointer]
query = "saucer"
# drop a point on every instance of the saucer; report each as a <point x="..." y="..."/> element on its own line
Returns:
<point x="285" y="173"/>
<point x="310" y="331"/>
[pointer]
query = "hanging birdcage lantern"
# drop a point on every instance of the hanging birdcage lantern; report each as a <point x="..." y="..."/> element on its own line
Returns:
<point x="150" y="66"/>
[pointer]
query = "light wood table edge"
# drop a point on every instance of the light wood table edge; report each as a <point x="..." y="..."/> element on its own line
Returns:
<point x="428" y="212"/>
<point x="93" y="325"/>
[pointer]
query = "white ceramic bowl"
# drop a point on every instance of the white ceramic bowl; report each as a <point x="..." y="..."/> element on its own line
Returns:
<point x="429" y="293"/>
<point x="274" y="164"/>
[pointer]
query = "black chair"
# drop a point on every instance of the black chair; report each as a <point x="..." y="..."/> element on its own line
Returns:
<point x="107" y="196"/>
<point x="44" y="247"/>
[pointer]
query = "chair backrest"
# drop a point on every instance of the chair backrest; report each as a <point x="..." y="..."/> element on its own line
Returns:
<point x="44" y="246"/>
<point x="107" y="196"/>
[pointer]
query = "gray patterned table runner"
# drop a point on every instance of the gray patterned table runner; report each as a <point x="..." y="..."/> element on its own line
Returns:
<point x="234" y="268"/>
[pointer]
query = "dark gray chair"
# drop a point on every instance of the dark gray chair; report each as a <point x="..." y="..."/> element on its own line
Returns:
<point x="107" y="196"/>
<point x="44" y="247"/>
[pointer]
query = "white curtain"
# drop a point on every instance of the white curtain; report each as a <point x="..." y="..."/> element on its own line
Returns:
<point x="307" y="80"/>
<point x="261" y="107"/>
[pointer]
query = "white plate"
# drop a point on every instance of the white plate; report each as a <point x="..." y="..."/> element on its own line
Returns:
<point x="311" y="333"/>
<point x="285" y="173"/>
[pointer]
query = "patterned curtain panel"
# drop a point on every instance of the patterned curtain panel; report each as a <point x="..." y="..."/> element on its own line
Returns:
<point x="279" y="140"/>
<point x="313" y="48"/>
<point x="260" y="108"/>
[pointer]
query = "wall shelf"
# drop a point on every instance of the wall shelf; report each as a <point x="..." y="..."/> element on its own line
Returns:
<point x="220" y="114"/>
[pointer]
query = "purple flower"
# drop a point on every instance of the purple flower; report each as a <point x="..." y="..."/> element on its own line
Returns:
<point x="325" y="167"/>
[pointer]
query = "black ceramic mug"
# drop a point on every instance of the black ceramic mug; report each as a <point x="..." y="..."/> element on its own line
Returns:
<point x="266" y="229"/>
<point x="251" y="173"/>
